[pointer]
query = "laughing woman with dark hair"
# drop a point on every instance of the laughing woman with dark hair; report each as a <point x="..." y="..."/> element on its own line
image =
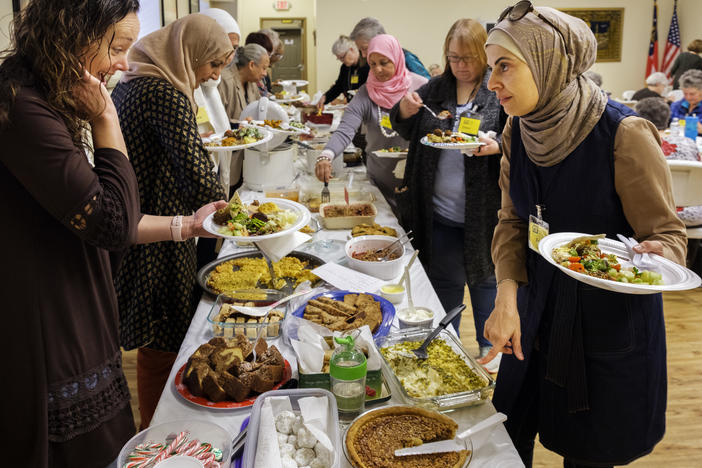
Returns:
<point x="67" y="401"/>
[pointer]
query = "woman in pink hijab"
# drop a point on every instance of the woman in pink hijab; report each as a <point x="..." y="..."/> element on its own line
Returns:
<point x="388" y="81"/>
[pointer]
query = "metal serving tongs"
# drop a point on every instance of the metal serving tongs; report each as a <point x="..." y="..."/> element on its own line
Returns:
<point x="385" y="251"/>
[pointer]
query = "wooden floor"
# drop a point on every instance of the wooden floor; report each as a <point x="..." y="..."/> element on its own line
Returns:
<point x="682" y="445"/>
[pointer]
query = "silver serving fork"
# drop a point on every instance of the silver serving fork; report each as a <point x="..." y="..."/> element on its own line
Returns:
<point x="326" y="198"/>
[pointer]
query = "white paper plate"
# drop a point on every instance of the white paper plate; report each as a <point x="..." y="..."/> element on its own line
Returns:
<point x="333" y="107"/>
<point x="294" y="98"/>
<point x="675" y="277"/>
<point x="267" y="135"/>
<point x="303" y="217"/>
<point x="391" y="155"/>
<point x="458" y="146"/>
<point x="286" y="128"/>
<point x="297" y="83"/>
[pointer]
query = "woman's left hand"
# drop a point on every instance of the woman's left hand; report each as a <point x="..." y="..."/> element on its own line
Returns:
<point x="655" y="247"/>
<point x="192" y="225"/>
<point x="490" y="147"/>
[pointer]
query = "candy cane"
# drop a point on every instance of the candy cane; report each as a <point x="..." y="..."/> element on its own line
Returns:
<point x="165" y="453"/>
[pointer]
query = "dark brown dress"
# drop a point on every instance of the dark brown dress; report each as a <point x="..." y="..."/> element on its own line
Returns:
<point x="64" y="400"/>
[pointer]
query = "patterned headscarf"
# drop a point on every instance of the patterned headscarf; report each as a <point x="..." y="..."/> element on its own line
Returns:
<point x="569" y="105"/>
<point x="175" y="51"/>
<point x="387" y="93"/>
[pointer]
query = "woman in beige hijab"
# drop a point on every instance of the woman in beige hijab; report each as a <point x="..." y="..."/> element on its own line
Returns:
<point x="156" y="287"/>
<point x="582" y="367"/>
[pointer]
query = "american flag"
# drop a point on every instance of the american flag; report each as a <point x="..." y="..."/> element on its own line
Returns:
<point x="652" y="61"/>
<point x="672" y="46"/>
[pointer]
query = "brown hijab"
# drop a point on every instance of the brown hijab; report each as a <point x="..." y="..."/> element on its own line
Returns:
<point x="175" y="51"/>
<point x="569" y="104"/>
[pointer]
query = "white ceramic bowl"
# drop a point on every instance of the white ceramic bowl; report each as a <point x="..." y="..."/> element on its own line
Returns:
<point x="421" y="323"/>
<point x="393" y="297"/>
<point x="386" y="270"/>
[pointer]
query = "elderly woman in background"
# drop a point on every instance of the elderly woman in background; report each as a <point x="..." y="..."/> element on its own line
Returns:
<point x="452" y="200"/>
<point x="276" y="54"/>
<point x="691" y="103"/>
<point x="388" y="81"/>
<point x="655" y="86"/>
<point x="583" y="367"/>
<point x="74" y="219"/>
<point x="352" y="74"/>
<point x="156" y="285"/>
<point x="239" y="87"/>
<point x="435" y="70"/>
<point x="367" y="29"/>
<point x="265" y="42"/>
<point x="688" y="60"/>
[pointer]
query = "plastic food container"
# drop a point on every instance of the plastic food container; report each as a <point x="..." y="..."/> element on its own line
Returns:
<point x="203" y="431"/>
<point x="394" y="293"/>
<point x="407" y="321"/>
<point x="442" y="402"/>
<point x="295" y="394"/>
<point x="249" y="328"/>
<point x="385" y="270"/>
<point x="346" y="222"/>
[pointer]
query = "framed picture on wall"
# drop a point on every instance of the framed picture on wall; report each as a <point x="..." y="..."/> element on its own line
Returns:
<point x="169" y="11"/>
<point x="607" y="25"/>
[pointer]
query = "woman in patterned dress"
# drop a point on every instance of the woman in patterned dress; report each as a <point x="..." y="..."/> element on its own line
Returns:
<point x="156" y="286"/>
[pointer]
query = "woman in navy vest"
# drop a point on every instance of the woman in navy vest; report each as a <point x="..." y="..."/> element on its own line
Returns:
<point x="583" y="367"/>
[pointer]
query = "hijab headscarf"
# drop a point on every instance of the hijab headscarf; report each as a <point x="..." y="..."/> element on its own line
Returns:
<point x="569" y="105"/>
<point x="387" y="93"/>
<point x="175" y="51"/>
<point x="224" y="19"/>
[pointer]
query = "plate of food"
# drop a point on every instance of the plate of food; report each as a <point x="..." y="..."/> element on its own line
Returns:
<point x="397" y="152"/>
<point x="605" y="263"/>
<point x="223" y="374"/>
<point x="284" y="96"/>
<point x="344" y="310"/>
<point x="242" y="274"/>
<point x="296" y="83"/>
<point x="259" y="219"/>
<point x="292" y="127"/>
<point x="233" y="140"/>
<point x="446" y="139"/>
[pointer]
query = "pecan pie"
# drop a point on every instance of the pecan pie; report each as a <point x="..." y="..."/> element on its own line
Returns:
<point x="372" y="439"/>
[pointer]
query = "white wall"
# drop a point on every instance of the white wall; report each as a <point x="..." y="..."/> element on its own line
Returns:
<point x="5" y="19"/>
<point x="249" y="17"/>
<point x="421" y="26"/>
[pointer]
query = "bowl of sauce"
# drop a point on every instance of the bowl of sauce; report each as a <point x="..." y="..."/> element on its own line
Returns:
<point x="394" y="293"/>
<point x="420" y="317"/>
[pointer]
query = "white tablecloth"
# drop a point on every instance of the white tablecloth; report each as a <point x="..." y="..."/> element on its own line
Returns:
<point x="491" y="449"/>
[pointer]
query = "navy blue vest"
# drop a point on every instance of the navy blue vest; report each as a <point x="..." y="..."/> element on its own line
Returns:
<point x="602" y="389"/>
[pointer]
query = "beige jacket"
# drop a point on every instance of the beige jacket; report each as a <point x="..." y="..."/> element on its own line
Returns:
<point x="236" y="95"/>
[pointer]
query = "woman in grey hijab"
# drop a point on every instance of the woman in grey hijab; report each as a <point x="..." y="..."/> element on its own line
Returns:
<point x="583" y="367"/>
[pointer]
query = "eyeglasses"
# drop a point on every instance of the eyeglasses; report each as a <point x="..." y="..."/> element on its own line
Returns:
<point x="520" y="9"/>
<point x="341" y="58"/>
<point x="467" y="60"/>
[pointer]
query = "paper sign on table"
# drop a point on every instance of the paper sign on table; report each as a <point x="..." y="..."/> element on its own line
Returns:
<point x="347" y="279"/>
<point x="279" y="247"/>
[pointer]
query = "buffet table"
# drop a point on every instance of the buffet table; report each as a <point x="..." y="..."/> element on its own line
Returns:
<point x="491" y="448"/>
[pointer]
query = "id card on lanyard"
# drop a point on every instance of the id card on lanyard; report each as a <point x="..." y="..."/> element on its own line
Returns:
<point x="538" y="229"/>
<point x="385" y="120"/>
<point x="354" y="79"/>
<point x="469" y="123"/>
